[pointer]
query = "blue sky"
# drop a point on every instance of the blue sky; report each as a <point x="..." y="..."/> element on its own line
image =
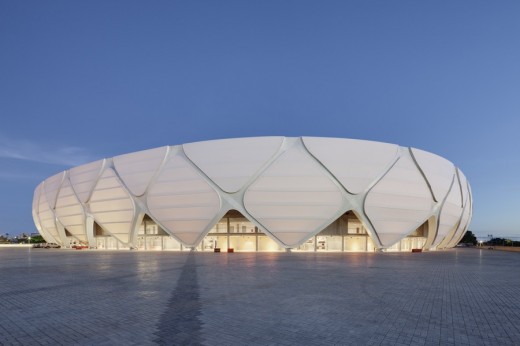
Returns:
<point x="80" y="81"/>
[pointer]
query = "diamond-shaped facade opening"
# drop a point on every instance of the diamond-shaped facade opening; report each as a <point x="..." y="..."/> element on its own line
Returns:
<point x="51" y="188"/>
<point x="399" y="202"/>
<point x="48" y="220"/>
<point x="438" y="171"/>
<point x="137" y="169"/>
<point x="182" y="201"/>
<point x="461" y="229"/>
<point x="70" y="212"/>
<point x="450" y="214"/>
<point x="112" y="206"/>
<point x="35" y="205"/>
<point x="294" y="197"/>
<point x="84" y="177"/>
<point x="355" y="163"/>
<point x="36" y="215"/>
<point x="230" y="163"/>
<point x="463" y="186"/>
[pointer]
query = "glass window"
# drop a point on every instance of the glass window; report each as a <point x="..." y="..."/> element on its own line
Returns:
<point x="355" y="243"/>
<point x="394" y="247"/>
<point x="154" y="243"/>
<point x="221" y="242"/>
<point x="171" y="244"/>
<point x="307" y="246"/>
<point x="111" y="243"/>
<point x="371" y="247"/>
<point x="267" y="244"/>
<point x="356" y="227"/>
<point x="141" y="242"/>
<point x="328" y="243"/>
<point x="334" y="243"/>
<point x="220" y="227"/>
<point x="241" y="225"/>
<point x="209" y="243"/>
<point x="409" y="243"/>
<point x="321" y="243"/>
<point x="243" y="242"/>
<point x="151" y="228"/>
<point x="101" y="243"/>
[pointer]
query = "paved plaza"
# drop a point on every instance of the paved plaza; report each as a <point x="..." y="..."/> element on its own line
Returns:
<point x="68" y="297"/>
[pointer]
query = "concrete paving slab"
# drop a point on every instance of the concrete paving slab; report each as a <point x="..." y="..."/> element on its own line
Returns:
<point x="65" y="297"/>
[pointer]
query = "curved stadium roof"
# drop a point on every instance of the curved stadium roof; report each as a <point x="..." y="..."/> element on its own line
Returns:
<point x="290" y="188"/>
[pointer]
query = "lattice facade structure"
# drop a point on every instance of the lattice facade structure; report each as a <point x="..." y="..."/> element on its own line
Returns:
<point x="288" y="188"/>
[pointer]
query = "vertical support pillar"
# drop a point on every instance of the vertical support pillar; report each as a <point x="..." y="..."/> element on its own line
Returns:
<point x="228" y="232"/>
<point x="61" y="231"/>
<point x="134" y="231"/>
<point x="89" y="229"/>
<point x="343" y="236"/>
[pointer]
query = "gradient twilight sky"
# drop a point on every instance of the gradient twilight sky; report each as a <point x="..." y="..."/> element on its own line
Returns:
<point x="80" y="81"/>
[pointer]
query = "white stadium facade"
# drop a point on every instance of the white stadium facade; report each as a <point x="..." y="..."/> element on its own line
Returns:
<point x="259" y="194"/>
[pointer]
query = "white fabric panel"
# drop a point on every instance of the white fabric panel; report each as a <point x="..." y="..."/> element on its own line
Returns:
<point x="470" y="201"/>
<point x="466" y="219"/>
<point x="137" y="169"/>
<point x="182" y="201"/>
<point x="70" y="212"/>
<point x="51" y="187"/>
<point x="461" y="229"/>
<point x="84" y="177"/>
<point x="438" y="171"/>
<point x="463" y="186"/>
<point x="47" y="219"/>
<point x="112" y="206"/>
<point x="230" y="163"/>
<point x="294" y="197"/>
<point x="35" y="206"/>
<point x="399" y="202"/>
<point x="355" y="163"/>
<point x="450" y="214"/>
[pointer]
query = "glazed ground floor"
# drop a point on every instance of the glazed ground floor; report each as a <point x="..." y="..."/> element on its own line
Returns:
<point x="261" y="242"/>
<point x="236" y="233"/>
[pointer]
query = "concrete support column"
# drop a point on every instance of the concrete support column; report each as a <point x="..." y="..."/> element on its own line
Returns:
<point x="89" y="229"/>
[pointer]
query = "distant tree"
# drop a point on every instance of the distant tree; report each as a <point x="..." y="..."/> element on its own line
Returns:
<point x="469" y="238"/>
<point x="502" y="242"/>
<point x="25" y="238"/>
<point x="37" y="239"/>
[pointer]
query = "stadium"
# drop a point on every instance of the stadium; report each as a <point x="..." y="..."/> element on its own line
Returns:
<point x="259" y="194"/>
